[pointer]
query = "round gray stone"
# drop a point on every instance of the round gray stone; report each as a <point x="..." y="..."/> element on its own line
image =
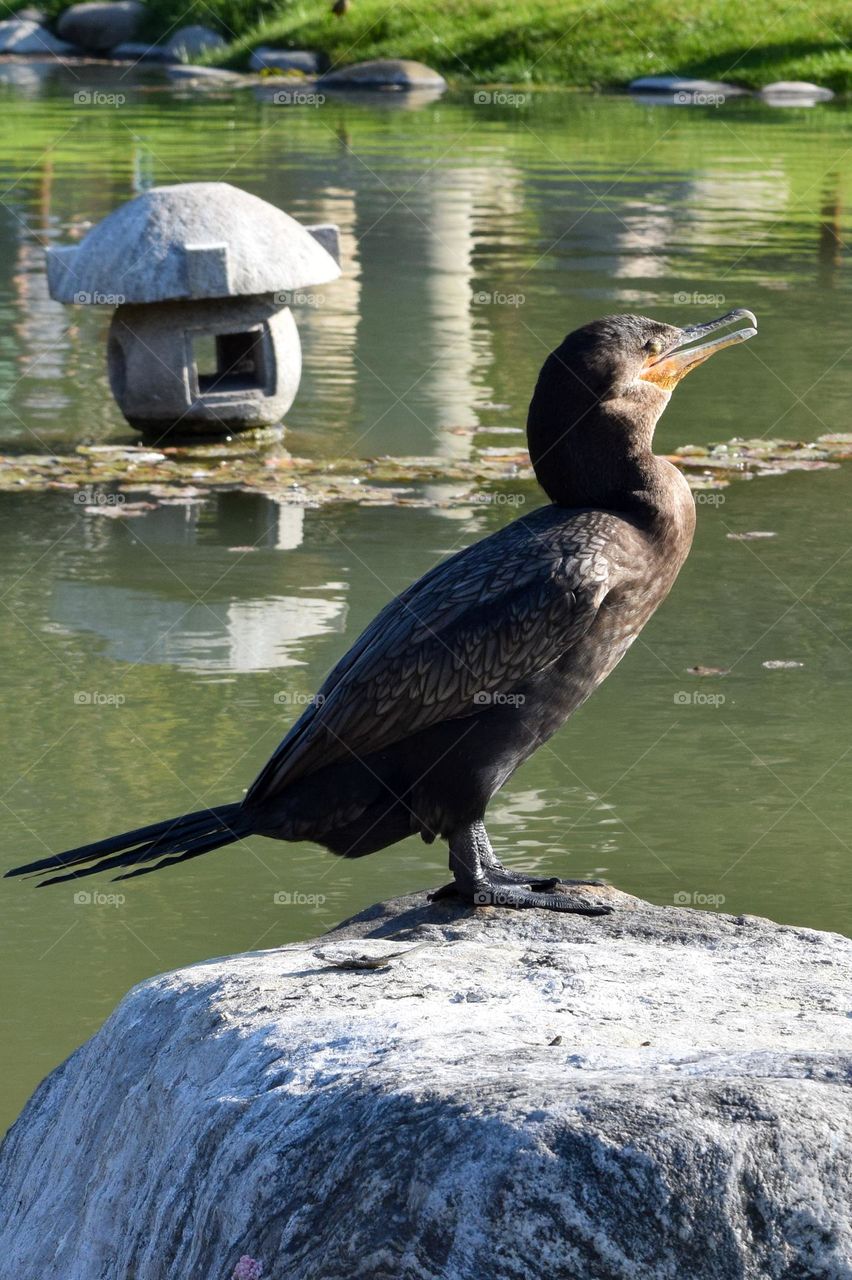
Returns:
<point x="191" y="42"/>
<point x="384" y="73"/>
<point x="683" y="84"/>
<point x="192" y="241"/>
<point x="101" y="24"/>
<point x="795" y="93"/>
<point x="31" y="38"/>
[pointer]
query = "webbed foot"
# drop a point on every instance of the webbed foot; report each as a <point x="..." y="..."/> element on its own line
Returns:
<point x="482" y="880"/>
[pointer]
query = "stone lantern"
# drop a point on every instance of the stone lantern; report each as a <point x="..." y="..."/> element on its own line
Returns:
<point x="201" y="276"/>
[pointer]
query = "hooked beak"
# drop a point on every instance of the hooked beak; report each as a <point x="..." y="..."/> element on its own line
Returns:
<point x="666" y="370"/>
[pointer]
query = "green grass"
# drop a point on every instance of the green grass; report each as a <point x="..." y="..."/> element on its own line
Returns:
<point x="580" y="43"/>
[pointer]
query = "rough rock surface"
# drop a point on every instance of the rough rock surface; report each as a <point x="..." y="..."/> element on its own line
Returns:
<point x="192" y="240"/>
<point x="384" y="73"/>
<point x="24" y="36"/>
<point x="101" y="24"/>
<point x="658" y="1094"/>
<point x="189" y="43"/>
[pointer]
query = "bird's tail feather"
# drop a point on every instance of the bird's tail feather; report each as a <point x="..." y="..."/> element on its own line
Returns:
<point x="174" y="840"/>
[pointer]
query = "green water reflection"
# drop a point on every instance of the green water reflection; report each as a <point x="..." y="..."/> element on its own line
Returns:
<point x="149" y="666"/>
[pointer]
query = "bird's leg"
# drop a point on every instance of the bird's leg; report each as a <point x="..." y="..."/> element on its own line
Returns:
<point x="482" y="879"/>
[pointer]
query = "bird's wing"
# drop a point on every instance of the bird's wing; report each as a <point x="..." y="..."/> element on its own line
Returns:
<point x="477" y="624"/>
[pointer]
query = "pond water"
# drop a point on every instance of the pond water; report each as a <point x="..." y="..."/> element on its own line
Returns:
<point x="149" y="666"/>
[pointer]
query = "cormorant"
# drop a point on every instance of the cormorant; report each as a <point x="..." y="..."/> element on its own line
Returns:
<point x="458" y="680"/>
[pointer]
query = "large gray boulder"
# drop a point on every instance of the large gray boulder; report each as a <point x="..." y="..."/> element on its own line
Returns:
<point x="100" y="25"/>
<point x="384" y="73"/>
<point x="658" y="1094"/>
<point x="685" y="88"/>
<point x="795" y="93"/>
<point x="189" y="43"/>
<point x="24" y="36"/>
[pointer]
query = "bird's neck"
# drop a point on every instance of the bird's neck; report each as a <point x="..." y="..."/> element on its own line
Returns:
<point x="603" y="457"/>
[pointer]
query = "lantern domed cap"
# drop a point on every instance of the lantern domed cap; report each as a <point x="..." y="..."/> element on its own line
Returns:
<point x="193" y="241"/>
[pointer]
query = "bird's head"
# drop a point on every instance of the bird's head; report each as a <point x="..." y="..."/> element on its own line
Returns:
<point x="600" y="394"/>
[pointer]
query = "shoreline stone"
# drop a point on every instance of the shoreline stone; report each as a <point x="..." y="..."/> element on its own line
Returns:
<point x="29" y="38"/>
<point x="100" y="25"/>
<point x="432" y="1092"/>
<point x="692" y="88"/>
<point x="188" y="43"/>
<point x="383" y="73"/>
<point x="795" y="93"/>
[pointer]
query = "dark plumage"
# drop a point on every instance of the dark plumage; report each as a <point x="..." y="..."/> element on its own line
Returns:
<point x="460" y="678"/>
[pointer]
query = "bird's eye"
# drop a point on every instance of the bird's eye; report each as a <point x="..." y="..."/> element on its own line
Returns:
<point x="655" y="346"/>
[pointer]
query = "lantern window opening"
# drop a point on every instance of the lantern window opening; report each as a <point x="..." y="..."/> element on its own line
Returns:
<point x="229" y="362"/>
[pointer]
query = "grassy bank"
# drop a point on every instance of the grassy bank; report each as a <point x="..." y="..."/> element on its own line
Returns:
<point x="583" y="43"/>
<point x="575" y="43"/>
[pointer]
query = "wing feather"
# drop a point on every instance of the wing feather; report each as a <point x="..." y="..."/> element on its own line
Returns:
<point x="477" y="624"/>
